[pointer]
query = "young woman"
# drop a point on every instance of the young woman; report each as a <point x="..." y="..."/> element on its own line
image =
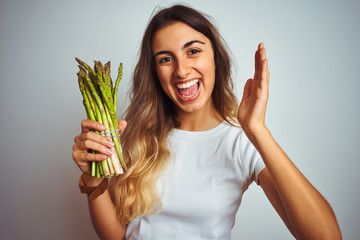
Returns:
<point x="190" y="161"/>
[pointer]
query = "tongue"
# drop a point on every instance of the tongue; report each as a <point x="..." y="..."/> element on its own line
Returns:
<point x="189" y="91"/>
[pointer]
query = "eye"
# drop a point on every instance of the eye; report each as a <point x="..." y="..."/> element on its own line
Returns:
<point x="194" y="51"/>
<point x="165" y="59"/>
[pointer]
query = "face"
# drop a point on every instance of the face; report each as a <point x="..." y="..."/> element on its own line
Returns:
<point x="185" y="66"/>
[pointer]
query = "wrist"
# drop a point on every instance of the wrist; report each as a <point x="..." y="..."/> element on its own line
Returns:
<point x="91" y="181"/>
<point x="257" y="136"/>
<point x="256" y="132"/>
<point x="93" y="191"/>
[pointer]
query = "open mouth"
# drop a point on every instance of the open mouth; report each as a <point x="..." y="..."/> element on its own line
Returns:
<point x="189" y="89"/>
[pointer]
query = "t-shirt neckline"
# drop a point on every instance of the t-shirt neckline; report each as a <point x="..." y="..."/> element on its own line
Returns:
<point x="199" y="134"/>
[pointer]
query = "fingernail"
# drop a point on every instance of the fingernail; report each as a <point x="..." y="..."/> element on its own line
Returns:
<point x="110" y="143"/>
<point x="101" y="127"/>
<point x="108" y="151"/>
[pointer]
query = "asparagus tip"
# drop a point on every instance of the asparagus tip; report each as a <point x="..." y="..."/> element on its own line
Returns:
<point x="79" y="61"/>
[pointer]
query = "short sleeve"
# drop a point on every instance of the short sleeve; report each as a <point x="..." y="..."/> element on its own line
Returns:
<point x="251" y="159"/>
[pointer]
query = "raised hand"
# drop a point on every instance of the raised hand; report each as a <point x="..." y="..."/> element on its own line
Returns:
<point x="252" y="109"/>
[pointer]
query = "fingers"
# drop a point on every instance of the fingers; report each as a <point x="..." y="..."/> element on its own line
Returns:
<point x="86" y="142"/>
<point x="247" y="90"/>
<point x="122" y="125"/>
<point x="97" y="138"/>
<point x="92" y="156"/>
<point x="89" y="142"/>
<point x="93" y="141"/>
<point x="257" y="61"/>
<point x="82" y="159"/>
<point x="261" y="66"/>
<point x="265" y="71"/>
<point x="264" y="67"/>
<point x="87" y="125"/>
<point x="90" y="146"/>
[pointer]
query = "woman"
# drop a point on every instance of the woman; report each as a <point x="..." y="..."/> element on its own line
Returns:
<point x="189" y="160"/>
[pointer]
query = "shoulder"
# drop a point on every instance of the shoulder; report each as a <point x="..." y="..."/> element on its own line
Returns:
<point x="242" y="151"/>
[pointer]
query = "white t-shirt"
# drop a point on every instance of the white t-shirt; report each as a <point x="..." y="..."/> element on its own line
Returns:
<point x="202" y="186"/>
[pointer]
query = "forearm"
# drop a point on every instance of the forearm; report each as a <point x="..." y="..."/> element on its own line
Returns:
<point x="309" y="213"/>
<point x="103" y="216"/>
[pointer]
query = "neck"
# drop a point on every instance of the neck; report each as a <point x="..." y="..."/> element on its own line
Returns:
<point x="201" y="120"/>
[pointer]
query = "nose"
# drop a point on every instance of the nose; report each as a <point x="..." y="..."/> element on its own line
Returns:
<point x="183" y="68"/>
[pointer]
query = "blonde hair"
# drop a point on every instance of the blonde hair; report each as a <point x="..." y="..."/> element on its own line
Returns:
<point x="151" y="116"/>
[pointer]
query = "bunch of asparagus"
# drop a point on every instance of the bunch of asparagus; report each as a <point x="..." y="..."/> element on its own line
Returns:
<point x="100" y="99"/>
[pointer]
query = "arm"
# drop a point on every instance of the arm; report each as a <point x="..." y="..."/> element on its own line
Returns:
<point x="102" y="209"/>
<point x="103" y="215"/>
<point x="302" y="208"/>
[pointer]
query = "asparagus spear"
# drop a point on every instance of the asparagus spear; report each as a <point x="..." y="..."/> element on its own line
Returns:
<point x="99" y="98"/>
<point x="90" y="109"/>
<point x="115" y="89"/>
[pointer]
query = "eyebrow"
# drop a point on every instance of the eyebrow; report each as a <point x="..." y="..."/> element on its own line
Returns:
<point x="188" y="44"/>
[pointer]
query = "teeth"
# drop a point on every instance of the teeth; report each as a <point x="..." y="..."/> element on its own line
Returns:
<point x="184" y="96"/>
<point x="187" y="85"/>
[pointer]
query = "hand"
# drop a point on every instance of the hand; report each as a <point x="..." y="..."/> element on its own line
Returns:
<point x="89" y="140"/>
<point x="251" y="113"/>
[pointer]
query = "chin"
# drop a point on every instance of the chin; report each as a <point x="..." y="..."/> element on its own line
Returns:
<point x="190" y="108"/>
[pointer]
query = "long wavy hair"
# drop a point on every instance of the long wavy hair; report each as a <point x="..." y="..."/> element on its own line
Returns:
<point x="151" y="116"/>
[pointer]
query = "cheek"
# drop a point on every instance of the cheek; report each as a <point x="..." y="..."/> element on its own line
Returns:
<point x="207" y="66"/>
<point x="210" y="73"/>
<point x="164" y="83"/>
<point x="164" y="77"/>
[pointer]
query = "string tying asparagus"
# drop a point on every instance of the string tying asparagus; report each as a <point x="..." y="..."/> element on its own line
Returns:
<point x="100" y="102"/>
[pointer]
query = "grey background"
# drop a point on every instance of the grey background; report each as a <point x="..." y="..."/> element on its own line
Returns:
<point x="314" y="114"/>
